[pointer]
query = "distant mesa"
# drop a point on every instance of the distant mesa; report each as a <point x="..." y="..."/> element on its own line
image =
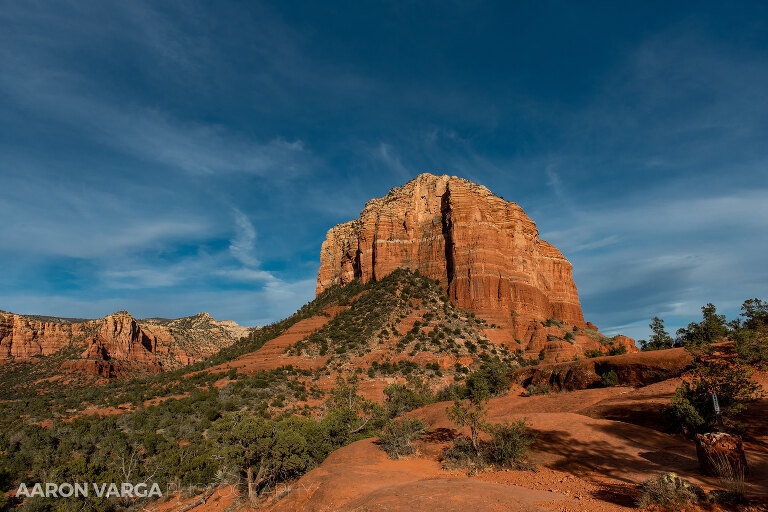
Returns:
<point x="118" y="344"/>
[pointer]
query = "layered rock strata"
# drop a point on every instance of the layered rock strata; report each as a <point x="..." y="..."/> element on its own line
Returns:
<point x="485" y="250"/>
<point x="107" y="345"/>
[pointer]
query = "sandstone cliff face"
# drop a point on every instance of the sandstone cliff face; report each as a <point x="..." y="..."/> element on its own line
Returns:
<point x="485" y="251"/>
<point x="108" y="345"/>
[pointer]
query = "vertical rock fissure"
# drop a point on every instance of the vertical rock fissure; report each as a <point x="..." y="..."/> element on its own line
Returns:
<point x="445" y="211"/>
<point x="357" y="269"/>
<point x="373" y="258"/>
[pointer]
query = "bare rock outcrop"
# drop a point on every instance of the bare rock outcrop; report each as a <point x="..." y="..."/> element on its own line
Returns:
<point x="116" y="344"/>
<point x="637" y="369"/>
<point x="485" y="251"/>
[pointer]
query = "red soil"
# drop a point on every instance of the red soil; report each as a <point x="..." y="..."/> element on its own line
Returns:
<point x="586" y="459"/>
<point x="594" y="446"/>
<point x="272" y="354"/>
<point x="360" y="477"/>
<point x="221" y="499"/>
<point x="585" y="462"/>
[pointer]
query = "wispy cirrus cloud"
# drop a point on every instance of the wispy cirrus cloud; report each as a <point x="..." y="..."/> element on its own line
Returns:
<point x="148" y="133"/>
<point x="37" y="79"/>
<point x="48" y="216"/>
<point x="242" y="247"/>
<point x="243" y="243"/>
<point x="666" y="256"/>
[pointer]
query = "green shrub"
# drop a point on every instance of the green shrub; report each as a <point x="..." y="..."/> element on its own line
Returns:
<point x="6" y="484"/>
<point x="592" y="353"/>
<point x="397" y="437"/>
<point x="509" y="444"/>
<point x="609" y="379"/>
<point x="710" y="329"/>
<point x="660" y="339"/>
<point x="668" y="489"/>
<point x="755" y="313"/>
<point x="402" y="398"/>
<point x="507" y="447"/>
<point x="617" y="350"/>
<point x="691" y="405"/>
<point x="462" y="455"/>
<point x="751" y="337"/>
<point x="470" y="413"/>
<point x="492" y="378"/>
<point x="538" y="389"/>
<point x="752" y="347"/>
<point x="686" y="415"/>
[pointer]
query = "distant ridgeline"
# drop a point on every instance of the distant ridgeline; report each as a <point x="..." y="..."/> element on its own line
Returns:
<point x="116" y="345"/>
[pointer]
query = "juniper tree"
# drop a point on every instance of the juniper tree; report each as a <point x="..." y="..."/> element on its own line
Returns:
<point x="660" y="339"/>
<point x="711" y="328"/>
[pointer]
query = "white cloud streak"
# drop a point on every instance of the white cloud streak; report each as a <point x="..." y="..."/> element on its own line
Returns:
<point x="243" y="244"/>
<point x="78" y="221"/>
<point x="665" y="257"/>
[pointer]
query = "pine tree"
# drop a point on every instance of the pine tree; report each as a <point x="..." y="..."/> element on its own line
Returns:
<point x="660" y="339"/>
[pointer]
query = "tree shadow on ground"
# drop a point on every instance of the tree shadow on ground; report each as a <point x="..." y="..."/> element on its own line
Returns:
<point x="624" y="495"/>
<point x="618" y="461"/>
<point x="439" y="435"/>
<point x="630" y="455"/>
<point x="653" y="416"/>
<point x="754" y="424"/>
<point x="636" y="455"/>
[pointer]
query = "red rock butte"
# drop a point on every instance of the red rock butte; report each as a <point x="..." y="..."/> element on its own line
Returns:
<point x="117" y="344"/>
<point x="484" y="250"/>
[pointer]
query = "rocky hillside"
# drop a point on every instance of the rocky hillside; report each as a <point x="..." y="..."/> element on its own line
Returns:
<point x="483" y="250"/>
<point x="401" y="325"/>
<point x="117" y="343"/>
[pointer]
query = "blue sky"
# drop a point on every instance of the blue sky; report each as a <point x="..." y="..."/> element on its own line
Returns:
<point x="174" y="157"/>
